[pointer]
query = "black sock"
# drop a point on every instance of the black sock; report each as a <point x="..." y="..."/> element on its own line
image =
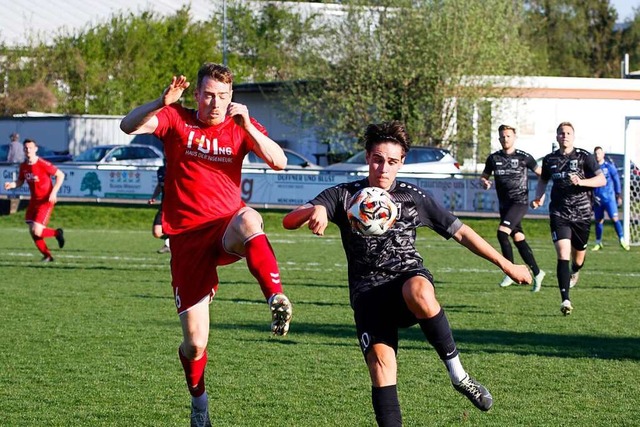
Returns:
<point x="386" y="406"/>
<point x="505" y="245"/>
<point x="438" y="333"/>
<point x="562" y="270"/>
<point x="527" y="256"/>
<point x="575" y="267"/>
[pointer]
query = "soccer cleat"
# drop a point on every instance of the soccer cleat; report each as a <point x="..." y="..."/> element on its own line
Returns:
<point x="281" y="312"/>
<point x="47" y="259"/>
<point x="164" y="250"/>
<point x="200" y="417"/>
<point x="537" y="281"/>
<point x="566" y="308"/>
<point x="597" y="247"/>
<point x="60" y="237"/>
<point x="573" y="280"/>
<point x="506" y="282"/>
<point x="624" y="245"/>
<point x="475" y="392"/>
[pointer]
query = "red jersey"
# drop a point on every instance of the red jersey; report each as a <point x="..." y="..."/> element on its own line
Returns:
<point x="38" y="177"/>
<point x="204" y="166"/>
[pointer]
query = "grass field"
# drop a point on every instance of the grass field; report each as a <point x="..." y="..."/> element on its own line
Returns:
<point x="91" y="339"/>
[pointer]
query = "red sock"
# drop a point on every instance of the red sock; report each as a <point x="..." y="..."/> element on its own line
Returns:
<point x="194" y="373"/>
<point x="262" y="263"/>
<point x="42" y="246"/>
<point x="48" y="232"/>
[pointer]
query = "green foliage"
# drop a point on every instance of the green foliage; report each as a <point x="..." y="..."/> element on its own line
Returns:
<point x="408" y="63"/>
<point x="573" y="37"/>
<point x="267" y="42"/>
<point x="92" y="338"/>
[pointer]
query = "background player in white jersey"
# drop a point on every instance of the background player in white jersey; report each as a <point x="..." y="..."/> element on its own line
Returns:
<point x="388" y="284"/>
<point x="510" y="169"/>
<point x="575" y="173"/>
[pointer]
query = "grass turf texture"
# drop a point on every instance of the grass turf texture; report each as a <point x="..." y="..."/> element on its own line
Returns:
<point x="91" y="339"/>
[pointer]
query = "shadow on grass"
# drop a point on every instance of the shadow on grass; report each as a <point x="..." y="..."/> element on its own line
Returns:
<point x="542" y="344"/>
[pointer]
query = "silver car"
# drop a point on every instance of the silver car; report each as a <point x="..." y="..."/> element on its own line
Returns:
<point x="131" y="155"/>
<point x="295" y="161"/>
<point x="421" y="162"/>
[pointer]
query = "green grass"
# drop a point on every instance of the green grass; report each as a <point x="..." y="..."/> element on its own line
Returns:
<point x="92" y="338"/>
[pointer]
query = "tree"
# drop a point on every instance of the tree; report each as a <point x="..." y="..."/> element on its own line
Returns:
<point x="410" y="61"/>
<point x="573" y="38"/>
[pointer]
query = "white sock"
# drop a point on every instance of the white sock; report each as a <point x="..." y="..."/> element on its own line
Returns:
<point x="166" y="242"/>
<point x="200" y="402"/>
<point x="455" y="369"/>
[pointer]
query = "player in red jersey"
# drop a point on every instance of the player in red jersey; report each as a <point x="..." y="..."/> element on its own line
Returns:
<point x="37" y="173"/>
<point x="207" y="222"/>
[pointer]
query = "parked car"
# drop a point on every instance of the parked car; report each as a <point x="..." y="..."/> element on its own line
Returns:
<point x="43" y="152"/>
<point x="132" y="155"/>
<point x="422" y="162"/>
<point x="294" y="161"/>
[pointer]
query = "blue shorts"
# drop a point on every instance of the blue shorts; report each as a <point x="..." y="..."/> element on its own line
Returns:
<point x="609" y="206"/>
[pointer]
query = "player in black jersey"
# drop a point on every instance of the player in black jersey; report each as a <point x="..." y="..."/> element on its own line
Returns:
<point x="575" y="173"/>
<point x="157" y="220"/>
<point x="389" y="286"/>
<point x="510" y="168"/>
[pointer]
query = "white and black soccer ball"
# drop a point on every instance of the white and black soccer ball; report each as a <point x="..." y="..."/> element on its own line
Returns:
<point x="371" y="211"/>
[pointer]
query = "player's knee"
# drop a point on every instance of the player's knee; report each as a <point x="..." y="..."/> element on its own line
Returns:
<point x="193" y="349"/>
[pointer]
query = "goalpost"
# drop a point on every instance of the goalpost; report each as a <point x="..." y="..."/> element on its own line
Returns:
<point x="631" y="184"/>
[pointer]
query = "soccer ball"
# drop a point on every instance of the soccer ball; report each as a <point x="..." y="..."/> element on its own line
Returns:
<point x="371" y="211"/>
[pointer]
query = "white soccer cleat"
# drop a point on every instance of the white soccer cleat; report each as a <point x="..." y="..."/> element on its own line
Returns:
<point x="281" y="313"/>
<point x="506" y="282"/>
<point x="573" y="280"/>
<point x="537" y="281"/>
<point x="566" y="308"/>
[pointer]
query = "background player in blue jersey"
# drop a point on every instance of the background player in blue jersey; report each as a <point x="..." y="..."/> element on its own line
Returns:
<point x="389" y="286"/>
<point x="575" y="173"/>
<point x="510" y="169"/>
<point x="607" y="199"/>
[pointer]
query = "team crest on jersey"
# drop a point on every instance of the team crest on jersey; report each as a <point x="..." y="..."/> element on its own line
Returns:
<point x="514" y="163"/>
<point x="573" y="165"/>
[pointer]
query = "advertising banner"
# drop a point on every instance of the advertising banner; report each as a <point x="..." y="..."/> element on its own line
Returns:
<point x="259" y="187"/>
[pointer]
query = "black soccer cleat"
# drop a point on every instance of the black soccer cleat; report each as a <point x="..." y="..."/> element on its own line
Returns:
<point x="60" y="237"/>
<point x="475" y="392"/>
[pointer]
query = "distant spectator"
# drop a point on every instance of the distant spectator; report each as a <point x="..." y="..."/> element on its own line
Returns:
<point x="16" y="150"/>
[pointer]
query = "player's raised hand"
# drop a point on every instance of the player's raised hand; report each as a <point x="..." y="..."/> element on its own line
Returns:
<point x="239" y="113"/>
<point x="173" y="92"/>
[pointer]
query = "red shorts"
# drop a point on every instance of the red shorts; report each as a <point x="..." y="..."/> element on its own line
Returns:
<point x="39" y="212"/>
<point x="195" y="256"/>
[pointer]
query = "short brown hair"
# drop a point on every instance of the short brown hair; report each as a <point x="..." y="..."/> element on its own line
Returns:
<point x="506" y="127"/>
<point x="563" y="124"/>
<point x="393" y="131"/>
<point x="218" y="72"/>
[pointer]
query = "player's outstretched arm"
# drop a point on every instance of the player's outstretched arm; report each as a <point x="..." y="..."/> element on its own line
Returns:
<point x="471" y="240"/>
<point x="315" y="216"/>
<point x="142" y="119"/>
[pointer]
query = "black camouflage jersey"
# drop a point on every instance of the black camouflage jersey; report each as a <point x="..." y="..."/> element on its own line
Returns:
<point x="376" y="260"/>
<point x="510" y="175"/>
<point x="568" y="201"/>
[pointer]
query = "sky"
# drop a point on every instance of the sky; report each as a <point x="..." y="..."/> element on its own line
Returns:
<point x="624" y="8"/>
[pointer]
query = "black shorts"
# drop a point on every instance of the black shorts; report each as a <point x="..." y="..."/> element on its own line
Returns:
<point x="511" y="216"/>
<point x="157" y="220"/>
<point x="381" y="311"/>
<point x="576" y="231"/>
